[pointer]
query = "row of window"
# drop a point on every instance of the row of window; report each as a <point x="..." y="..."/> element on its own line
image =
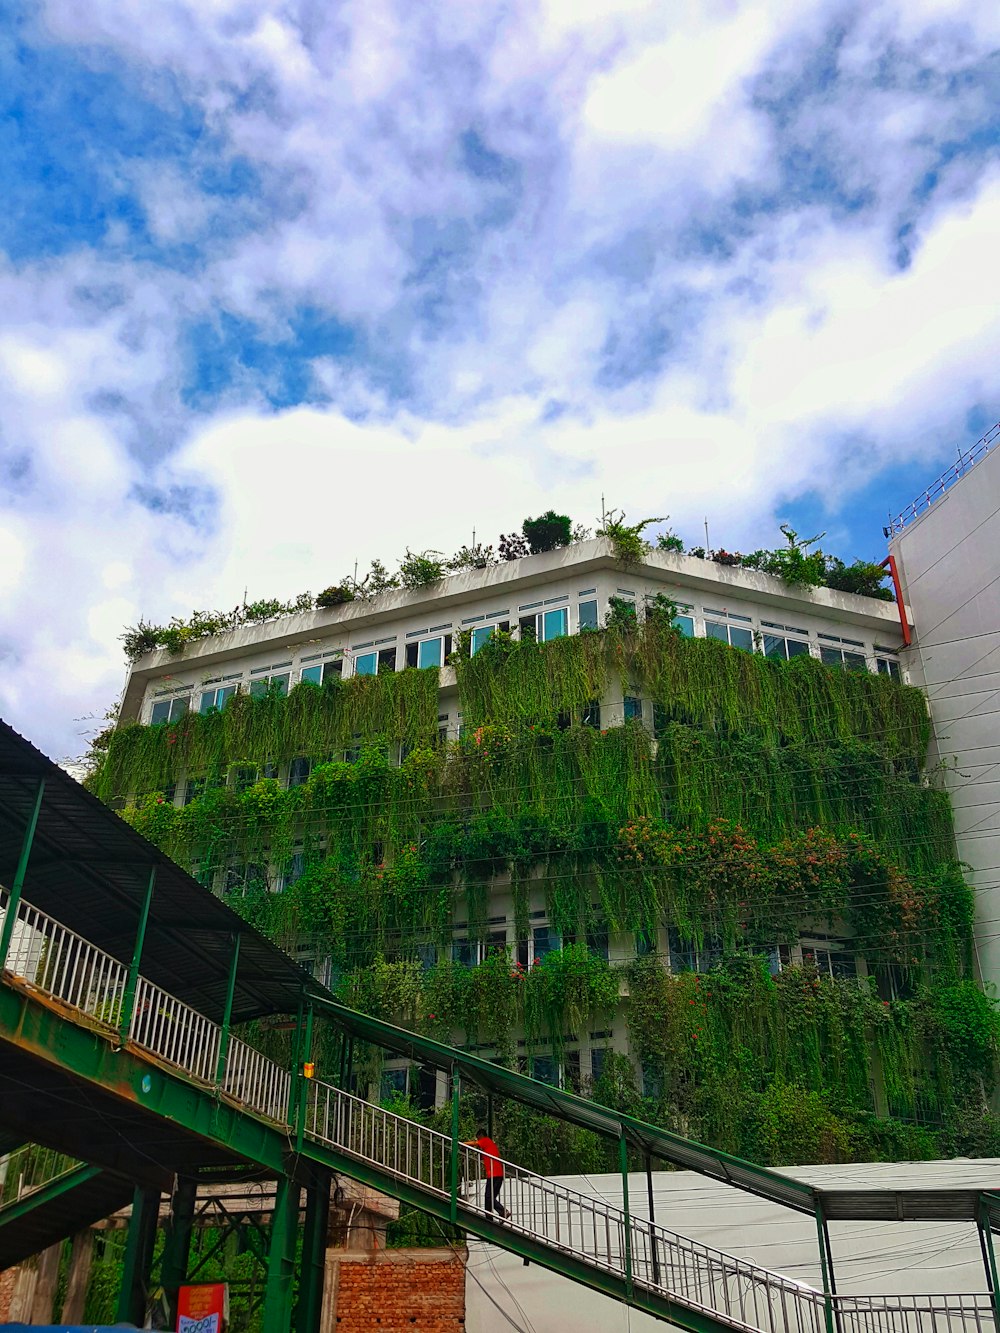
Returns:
<point x="537" y="620"/>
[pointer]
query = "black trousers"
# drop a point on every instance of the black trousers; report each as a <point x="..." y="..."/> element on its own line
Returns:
<point x="494" y="1184"/>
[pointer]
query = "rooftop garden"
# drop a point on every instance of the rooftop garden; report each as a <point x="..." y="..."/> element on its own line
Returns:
<point x="799" y="563"/>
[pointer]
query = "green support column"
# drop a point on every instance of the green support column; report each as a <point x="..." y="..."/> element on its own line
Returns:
<point x="989" y="1254"/>
<point x="177" y="1242"/>
<point x="227" y="1013"/>
<point x="138" y="1261"/>
<point x="312" y="1271"/>
<point x="128" y="999"/>
<point x="456" y="1090"/>
<point x="303" y="1085"/>
<point x="14" y="897"/>
<point x="623" y="1164"/>
<point x="821" y="1233"/>
<point x="281" y="1258"/>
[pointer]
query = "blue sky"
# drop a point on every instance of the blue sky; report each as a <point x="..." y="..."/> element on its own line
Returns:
<point x="288" y="286"/>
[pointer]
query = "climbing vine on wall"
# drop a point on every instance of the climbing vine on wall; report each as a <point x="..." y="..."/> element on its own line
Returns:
<point x="774" y="796"/>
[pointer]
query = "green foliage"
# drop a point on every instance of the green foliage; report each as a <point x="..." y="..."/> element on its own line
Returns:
<point x="626" y="539"/>
<point x="776" y="793"/>
<point x="476" y="556"/>
<point x="548" y="531"/>
<point x="795" y="564"/>
<point x="418" y="568"/>
<point x="669" y="541"/>
<point x="336" y="595"/>
<point x="864" y="578"/>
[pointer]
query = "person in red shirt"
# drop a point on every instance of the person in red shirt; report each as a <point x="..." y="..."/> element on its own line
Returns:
<point x="493" y="1169"/>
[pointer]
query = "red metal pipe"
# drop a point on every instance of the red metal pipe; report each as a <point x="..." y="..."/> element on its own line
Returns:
<point x="890" y="560"/>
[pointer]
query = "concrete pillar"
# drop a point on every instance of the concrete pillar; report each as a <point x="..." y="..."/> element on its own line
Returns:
<point x="80" y="1261"/>
<point x="45" y="1286"/>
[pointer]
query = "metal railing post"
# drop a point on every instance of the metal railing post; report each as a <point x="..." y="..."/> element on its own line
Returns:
<point x="305" y="1055"/>
<point x="652" y="1221"/>
<point x="14" y="897"/>
<point x="227" y="1013"/>
<point x="623" y="1164"/>
<point x="824" y="1265"/>
<point x="128" y="999"/>
<point x="456" y="1087"/>
<point x="296" y="1071"/>
<point x="989" y="1254"/>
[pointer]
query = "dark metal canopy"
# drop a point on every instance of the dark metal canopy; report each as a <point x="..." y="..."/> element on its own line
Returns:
<point x="89" y="870"/>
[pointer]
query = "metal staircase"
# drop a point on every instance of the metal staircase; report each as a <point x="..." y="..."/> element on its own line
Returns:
<point x="609" y="1249"/>
<point x="46" y="1196"/>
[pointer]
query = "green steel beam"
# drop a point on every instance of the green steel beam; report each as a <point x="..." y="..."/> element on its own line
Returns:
<point x="128" y="999"/>
<point x="177" y="1242"/>
<point x="85" y="1054"/>
<point x="986" y="1239"/>
<point x="133" y="1293"/>
<point x="227" y="1013"/>
<point x="281" y="1258"/>
<point x="16" y="1209"/>
<point x="312" y="1271"/>
<point x="14" y="897"/>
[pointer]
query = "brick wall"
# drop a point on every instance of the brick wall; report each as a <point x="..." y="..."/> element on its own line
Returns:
<point x="396" y="1291"/>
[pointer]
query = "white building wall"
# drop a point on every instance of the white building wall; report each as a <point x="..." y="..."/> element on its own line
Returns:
<point x="870" y="1258"/>
<point x="949" y="565"/>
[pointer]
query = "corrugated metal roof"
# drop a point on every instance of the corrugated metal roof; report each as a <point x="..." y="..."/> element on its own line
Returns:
<point x="89" y="870"/>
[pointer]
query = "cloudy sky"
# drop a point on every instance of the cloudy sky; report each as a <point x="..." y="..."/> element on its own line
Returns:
<point x="289" y="285"/>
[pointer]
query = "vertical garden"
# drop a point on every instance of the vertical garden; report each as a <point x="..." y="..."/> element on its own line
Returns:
<point x="773" y="799"/>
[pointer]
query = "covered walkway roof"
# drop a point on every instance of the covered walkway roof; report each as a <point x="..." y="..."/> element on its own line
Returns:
<point x="89" y="870"/>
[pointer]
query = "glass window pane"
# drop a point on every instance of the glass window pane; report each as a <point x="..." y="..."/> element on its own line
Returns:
<point x="178" y="708"/>
<point x="545" y="1070"/>
<point x="160" y="713"/>
<point x="333" y="670"/>
<point x="257" y="688"/>
<point x="207" y="701"/>
<point x="741" y="638"/>
<point x="598" y="1056"/>
<point x="546" y="940"/>
<point x="774" y="646"/>
<point x="588" y="615"/>
<point x="280" y="683"/>
<point x="685" y="624"/>
<point x="429" y="653"/>
<point x="554" y="624"/>
<point x="855" y="661"/>
<point x="713" y="630"/>
<point x="223" y="696"/>
<point x="831" y="656"/>
<point x="366" y="664"/>
<point x="633" y="708"/>
<point x="796" y="648"/>
<point x="480" y="636"/>
<point x="313" y="674"/>
<point x="464" y="952"/>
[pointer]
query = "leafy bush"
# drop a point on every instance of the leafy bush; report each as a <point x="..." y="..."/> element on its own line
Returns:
<point x="548" y="531"/>
<point x="419" y="568"/>
<point x="477" y="556"/>
<point x="513" y="546"/>
<point x="863" y="577"/>
<point x="669" y="541"/>
<point x="336" y="595"/>
<point x="629" y="544"/>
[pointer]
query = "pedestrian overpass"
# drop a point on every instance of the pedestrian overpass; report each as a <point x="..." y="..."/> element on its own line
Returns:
<point x="121" y="981"/>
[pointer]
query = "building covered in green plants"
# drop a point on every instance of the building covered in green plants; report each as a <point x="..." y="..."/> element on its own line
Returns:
<point x="652" y="825"/>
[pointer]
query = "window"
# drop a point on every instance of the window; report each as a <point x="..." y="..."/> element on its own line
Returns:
<point x="633" y="708"/>
<point x="430" y="653"/>
<point x="685" y="956"/>
<point x="829" y="960"/>
<point x="425" y="1091"/>
<point x="685" y="624"/>
<point x="597" y="942"/>
<point x="842" y="657"/>
<point x="591" y="716"/>
<point x="652" y="1083"/>
<point x="571" y="1071"/>
<point x="545" y="1070"/>
<point x="276" y="684"/>
<point x="480" y="636"/>
<point x="545" y="939"/>
<point x="215" y="698"/>
<point x="393" y="1083"/>
<point x="527" y="629"/>
<point x="312" y="675"/>
<point x="244" y="878"/>
<point x="780" y="649"/>
<point x="553" y="624"/>
<point x="587" y="612"/>
<point x="387" y="659"/>
<point x="295" y="870"/>
<point x="645" y="943"/>
<point x="299" y="770"/>
<point x="464" y="952"/>
<point x="366" y="664"/>
<point x="734" y="635"/>
<point x="244" y="779"/>
<point x="887" y="666"/>
<point x="426" y="955"/>
<point x="169" y="710"/>
<point x="196" y="787"/>
<point x="598" y="1059"/>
